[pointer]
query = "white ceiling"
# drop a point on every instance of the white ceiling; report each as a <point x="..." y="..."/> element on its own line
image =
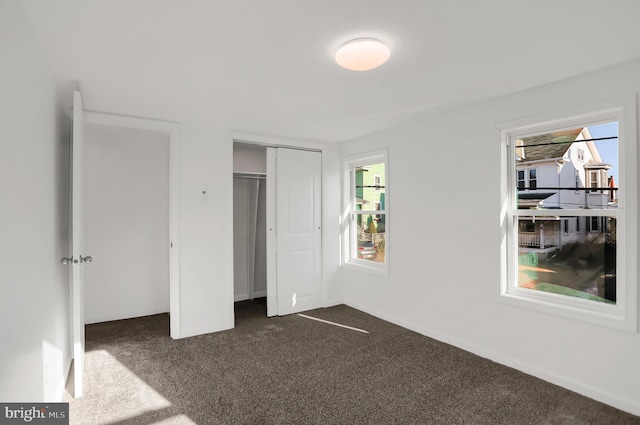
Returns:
<point x="266" y="66"/>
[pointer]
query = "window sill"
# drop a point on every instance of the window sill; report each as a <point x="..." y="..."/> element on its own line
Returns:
<point x="612" y="316"/>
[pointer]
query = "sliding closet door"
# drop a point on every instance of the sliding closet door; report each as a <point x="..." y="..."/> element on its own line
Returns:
<point x="296" y="217"/>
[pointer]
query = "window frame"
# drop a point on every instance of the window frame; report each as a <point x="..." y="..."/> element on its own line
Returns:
<point x="349" y="236"/>
<point x="624" y="313"/>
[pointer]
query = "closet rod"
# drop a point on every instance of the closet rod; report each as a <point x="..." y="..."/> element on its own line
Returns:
<point x="249" y="176"/>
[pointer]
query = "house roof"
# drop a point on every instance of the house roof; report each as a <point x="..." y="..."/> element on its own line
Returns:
<point x="532" y="199"/>
<point x="597" y="165"/>
<point x="535" y="195"/>
<point x="545" y="146"/>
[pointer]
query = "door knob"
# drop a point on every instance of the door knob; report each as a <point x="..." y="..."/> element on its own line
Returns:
<point x="65" y="260"/>
<point x="86" y="259"/>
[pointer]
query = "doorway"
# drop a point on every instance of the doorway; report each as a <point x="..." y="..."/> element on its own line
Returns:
<point x="126" y="202"/>
<point x="249" y="228"/>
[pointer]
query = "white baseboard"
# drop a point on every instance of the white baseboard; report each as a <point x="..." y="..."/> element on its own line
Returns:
<point x="66" y="369"/>
<point x="186" y="333"/>
<point x="121" y="315"/>
<point x="332" y="303"/>
<point x="244" y="297"/>
<point x="622" y="403"/>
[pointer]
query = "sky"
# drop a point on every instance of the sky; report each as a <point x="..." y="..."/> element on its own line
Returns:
<point x="608" y="148"/>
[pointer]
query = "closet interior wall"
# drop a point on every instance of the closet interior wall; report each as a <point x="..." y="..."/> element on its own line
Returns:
<point x="249" y="224"/>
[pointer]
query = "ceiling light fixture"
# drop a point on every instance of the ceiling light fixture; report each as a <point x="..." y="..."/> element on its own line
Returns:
<point x="362" y="54"/>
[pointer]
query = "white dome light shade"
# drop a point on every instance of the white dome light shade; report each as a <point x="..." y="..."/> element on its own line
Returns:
<point x="362" y="54"/>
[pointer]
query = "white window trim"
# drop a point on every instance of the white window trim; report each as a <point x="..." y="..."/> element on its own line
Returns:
<point x="349" y="245"/>
<point x="624" y="314"/>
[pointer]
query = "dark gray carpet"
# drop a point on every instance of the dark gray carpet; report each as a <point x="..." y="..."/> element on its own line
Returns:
<point x="292" y="370"/>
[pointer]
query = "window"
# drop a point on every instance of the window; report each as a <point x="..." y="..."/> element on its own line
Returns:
<point x="377" y="182"/>
<point x="533" y="181"/>
<point x="593" y="181"/>
<point x="593" y="224"/>
<point x="590" y="275"/>
<point x="527" y="226"/>
<point x="521" y="182"/>
<point x="580" y="154"/>
<point x="526" y="179"/>
<point x="367" y="202"/>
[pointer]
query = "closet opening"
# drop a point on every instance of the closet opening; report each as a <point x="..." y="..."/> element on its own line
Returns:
<point x="249" y="230"/>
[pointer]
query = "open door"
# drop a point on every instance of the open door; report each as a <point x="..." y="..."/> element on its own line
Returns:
<point x="77" y="261"/>
<point x="294" y="217"/>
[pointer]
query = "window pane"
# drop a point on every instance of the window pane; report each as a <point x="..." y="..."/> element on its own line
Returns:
<point x="570" y="263"/>
<point x="371" y="237"/>
<point x="533" y="181"/>
<point x="568" y="169"/>
<point x="520" y="174"/>
<point x="370" y="186"/>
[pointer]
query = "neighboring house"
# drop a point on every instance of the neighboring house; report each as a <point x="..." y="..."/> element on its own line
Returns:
<point x="370" y="195"/>
<point x="559" y="171"/>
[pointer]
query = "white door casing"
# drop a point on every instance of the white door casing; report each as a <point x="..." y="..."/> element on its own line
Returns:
<point x="173" y="130"/>
<point x="295" y="217"/>
<point x="272" y="255"/>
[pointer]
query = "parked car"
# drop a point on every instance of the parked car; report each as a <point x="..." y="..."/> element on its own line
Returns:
<point x="366" y="250"/>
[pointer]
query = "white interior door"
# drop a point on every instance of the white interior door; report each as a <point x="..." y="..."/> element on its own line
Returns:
<point x="296" y="215"/>
<point x="77" y="260"/>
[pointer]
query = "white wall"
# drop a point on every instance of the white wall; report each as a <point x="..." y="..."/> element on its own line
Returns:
<point x="34" y="300"/>
<point x="245" y="193"/>
<point x="260" y="271"/>
<point x="444" y="274"/>
<point x="126" y="222"/>
<point x="251" y="159"/>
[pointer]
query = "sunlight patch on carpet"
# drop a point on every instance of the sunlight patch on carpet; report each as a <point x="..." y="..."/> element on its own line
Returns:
<point x="333" y="323"/>
<point x="104" y="392"/>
